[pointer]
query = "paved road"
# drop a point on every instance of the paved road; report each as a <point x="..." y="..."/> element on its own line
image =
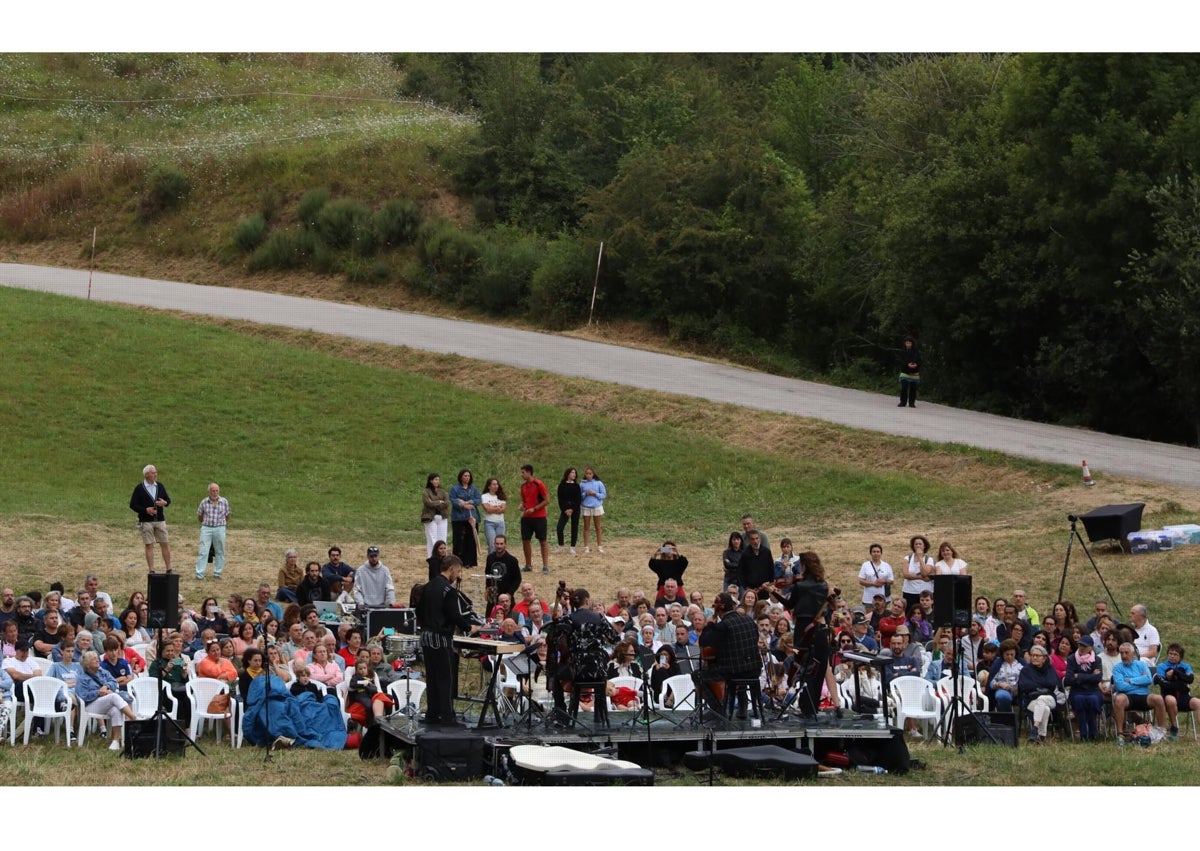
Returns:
<point x="565" y="356"/>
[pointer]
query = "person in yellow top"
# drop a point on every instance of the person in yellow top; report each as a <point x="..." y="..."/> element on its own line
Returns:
<point x="290" y="576"/>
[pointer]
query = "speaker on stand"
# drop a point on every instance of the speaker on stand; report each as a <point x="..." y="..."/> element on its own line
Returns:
<point x="162" y="598"/>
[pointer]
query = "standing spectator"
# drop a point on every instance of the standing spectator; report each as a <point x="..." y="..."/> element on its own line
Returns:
<point x="534" y="499"/>
<point x="666" y="562"/>
<point x="435" y="512"/>
<point x="949" y="564"/>
<point x="748" y="527"/>
<point x="289" y="576"/>
<point x="570" y="499"/>
<point x="214" y="514"/>
<point x="875" y="576"/>
<point x="594" y="494"/>
<point x="494" y="502"/>
<point x="373" y="586"/>
<point x="918" y="568"/>
<point x="731" y="561"/>
<point x="910" y="373"/>
<point x="149" y="501"/>
<point x="757" y="567"/>
<point x="464" y="518"/>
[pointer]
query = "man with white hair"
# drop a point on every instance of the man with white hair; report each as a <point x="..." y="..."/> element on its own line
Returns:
<point x="1146" y="639"/>
<point x="149" y="502"/>
<point x="213" y="514"/>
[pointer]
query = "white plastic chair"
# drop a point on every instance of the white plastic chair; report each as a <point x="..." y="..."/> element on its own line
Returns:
<point x="915" y="698"/>
<point x="411" y="706"/>
<point x="200" y="692"/>
<point x="43" y="665"/>
<point x="968" y="689"/>
<point x="848" y="691"/>
<point x="683" y="690"/>
<point x="145" y="691"/>
<point x="41" y="694"/>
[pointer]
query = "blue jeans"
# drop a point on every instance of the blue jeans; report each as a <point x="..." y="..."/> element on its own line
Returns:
<point x="213" y="536"/>
<point x="490" y="531"/>
<point x="1004" y="700"/>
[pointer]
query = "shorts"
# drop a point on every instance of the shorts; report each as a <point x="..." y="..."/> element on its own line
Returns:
<point x="1139" y="702"/>
<point x="533" y="527"/>
<point x="153" y="532"/>
<point x="598" y="511"/>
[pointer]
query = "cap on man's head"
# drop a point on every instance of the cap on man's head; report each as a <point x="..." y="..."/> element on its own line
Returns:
<point x="901" y="630"/>
<point x="372" y="551"/>
<point x="858" y="618"/>
<point x="1087" y="641"/>
<point x="859" y="610"/>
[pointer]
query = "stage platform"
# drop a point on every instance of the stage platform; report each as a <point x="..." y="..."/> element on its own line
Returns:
<point x="661" y="742"/>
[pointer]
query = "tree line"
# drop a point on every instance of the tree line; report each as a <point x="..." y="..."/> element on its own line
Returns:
<point x="1030" y="219"/>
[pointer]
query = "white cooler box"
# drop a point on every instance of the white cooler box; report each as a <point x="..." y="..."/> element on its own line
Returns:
<point x="1184" y="533"/>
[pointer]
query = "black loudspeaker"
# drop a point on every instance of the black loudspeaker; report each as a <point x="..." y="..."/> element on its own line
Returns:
<point x="140" y="736"/>
<point x="162" y="596"/>
<point x="449" y="756"/>
<point x="952" y="601"/>
<point x="969" y="729"/>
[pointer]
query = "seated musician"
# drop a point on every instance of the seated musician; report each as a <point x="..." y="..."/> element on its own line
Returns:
<point x="730" y="642"/>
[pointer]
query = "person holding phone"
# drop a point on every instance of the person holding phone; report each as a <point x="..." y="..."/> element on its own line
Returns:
<point x="666" y="562"/>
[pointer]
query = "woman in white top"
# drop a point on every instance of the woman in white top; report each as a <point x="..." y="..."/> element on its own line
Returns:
<point x="494" y="501"/>
<point x="918" y="568"/>
<point x="949" y="563"/>
<point x="875" y="576"/>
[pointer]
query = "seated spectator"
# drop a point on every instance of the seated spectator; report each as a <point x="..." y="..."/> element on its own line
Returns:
<point x="45" y="638"/>
<point x="384" y="670"/>
<point x="1174" y="678"/>
<point x="1083" y="676"/>
<point x="249" y="612"/>
<point x="322" y="668"/>
<point x="943" y="662"/>
<point x="101" y="694"/>
<point x="131" y="624"/>
<point x="365" y="703"/>
<point x="989" y="651"/>
<point x="1004" y="677"/>
<point x="671" y="594"/>
<point x="115" y="663"/>
<point x="290" y="576"/>
<point x="624" y="661"/>
<point x="919" y="629"/>
<point x="1146" y="639"/>
<point x="137" y="662"/>
<point x="66" y="669"/>
<point x="665" y="665"/>
<point x="244" y="636"/>
<point x="214" y="666"/>
<point x="1131" y="681"/>
<point x="313" y="587"/>
<point x="175" y="673"/>
<point x="304" y="683"/>
<point x="252" y="667"/>
<point x="647" y="645"/>
<point x="331" y="645"/>
<point x="1018" y="631"/>
<point x="349" y="653"/>
<point x="1061" y="652"/>
<point x="888" y="623"/>
<point x="1038" y="685"/>
<point x="211" y="616"/>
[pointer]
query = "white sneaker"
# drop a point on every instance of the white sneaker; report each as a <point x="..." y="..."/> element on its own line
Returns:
<point x="573" y="551"/>
<point x="600" y="550"/>
<point x="115" y="746"/>
<point x="587" y="549"/>
<point x="558" y="550"/>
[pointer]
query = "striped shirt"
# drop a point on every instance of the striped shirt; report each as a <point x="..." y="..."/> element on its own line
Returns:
<point x="213" y="513"/>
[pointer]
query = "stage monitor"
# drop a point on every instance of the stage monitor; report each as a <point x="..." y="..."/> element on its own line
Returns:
<point x="400" y="620"/>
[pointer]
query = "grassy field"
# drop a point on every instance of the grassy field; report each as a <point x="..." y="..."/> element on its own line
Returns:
<point x="317" y="440"/>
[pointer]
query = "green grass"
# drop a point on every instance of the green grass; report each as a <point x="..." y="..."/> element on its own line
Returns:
<point x="315" y="442"/>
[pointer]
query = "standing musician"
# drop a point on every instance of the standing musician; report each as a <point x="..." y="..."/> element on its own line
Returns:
<point x="810" y="598"/>
<point x="443" y="609"/>
<point x="729" y="645"/>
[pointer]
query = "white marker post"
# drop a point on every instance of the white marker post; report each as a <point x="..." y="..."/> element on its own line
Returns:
<point x="595" y="284"/>
<point x="92" y="263"/>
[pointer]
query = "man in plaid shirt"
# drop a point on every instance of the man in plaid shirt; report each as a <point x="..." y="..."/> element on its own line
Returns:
<point x="213" y="514"/>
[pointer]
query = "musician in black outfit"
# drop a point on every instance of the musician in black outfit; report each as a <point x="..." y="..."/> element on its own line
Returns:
<point x="586" y="633"/>
<point x="810" y="596"/>
<point x="735" y="639"/>
<point x="442" y="611"/>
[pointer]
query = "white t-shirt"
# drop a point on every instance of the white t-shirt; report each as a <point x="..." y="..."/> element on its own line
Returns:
<point x="869" y="571"/>
<point x="912" y="568"/>
<point x="1147" y="637"/>
<point x="957" y="568"/>
<point x="492" y="500"/>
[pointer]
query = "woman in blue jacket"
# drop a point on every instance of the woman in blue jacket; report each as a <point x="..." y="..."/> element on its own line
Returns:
<point x="99" y="693"/>
<point x="464" y="518"/>
<point x="594" y="494"/>
<point x="1038" y="686"/>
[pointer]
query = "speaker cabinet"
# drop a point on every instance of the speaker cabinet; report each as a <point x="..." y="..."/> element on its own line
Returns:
<point x="162" y="597"/>
<point x="140" y="738"/>
<point x="952" y="602"/>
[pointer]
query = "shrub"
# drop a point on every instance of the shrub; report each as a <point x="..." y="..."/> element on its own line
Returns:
<point x="396" y="222"/>
<point x="166" y="188"/>
<point x="500" y="283"/>
<point x="284" y="249"/>
<point x="250" y="232"/>
<point x="346" y="224"/>
<point x="310" y="206"/>
<point x="362" y="270"/>
<point x="449" y="254"/>
<point x="562" y="285"/>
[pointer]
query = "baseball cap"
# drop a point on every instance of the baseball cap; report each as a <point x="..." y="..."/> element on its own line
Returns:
<point x="859" y="618"/>
<point x="1087" y="641"/>
<point x="901" y="630"/>
<point x="372" y="551"/>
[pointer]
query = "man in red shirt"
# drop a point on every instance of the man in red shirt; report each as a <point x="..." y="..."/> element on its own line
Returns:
<point x="534" y="499"/>
<point x="889" y="623"/>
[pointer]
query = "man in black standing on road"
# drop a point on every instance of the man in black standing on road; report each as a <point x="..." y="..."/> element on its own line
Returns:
<point x="441" y="612"/>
